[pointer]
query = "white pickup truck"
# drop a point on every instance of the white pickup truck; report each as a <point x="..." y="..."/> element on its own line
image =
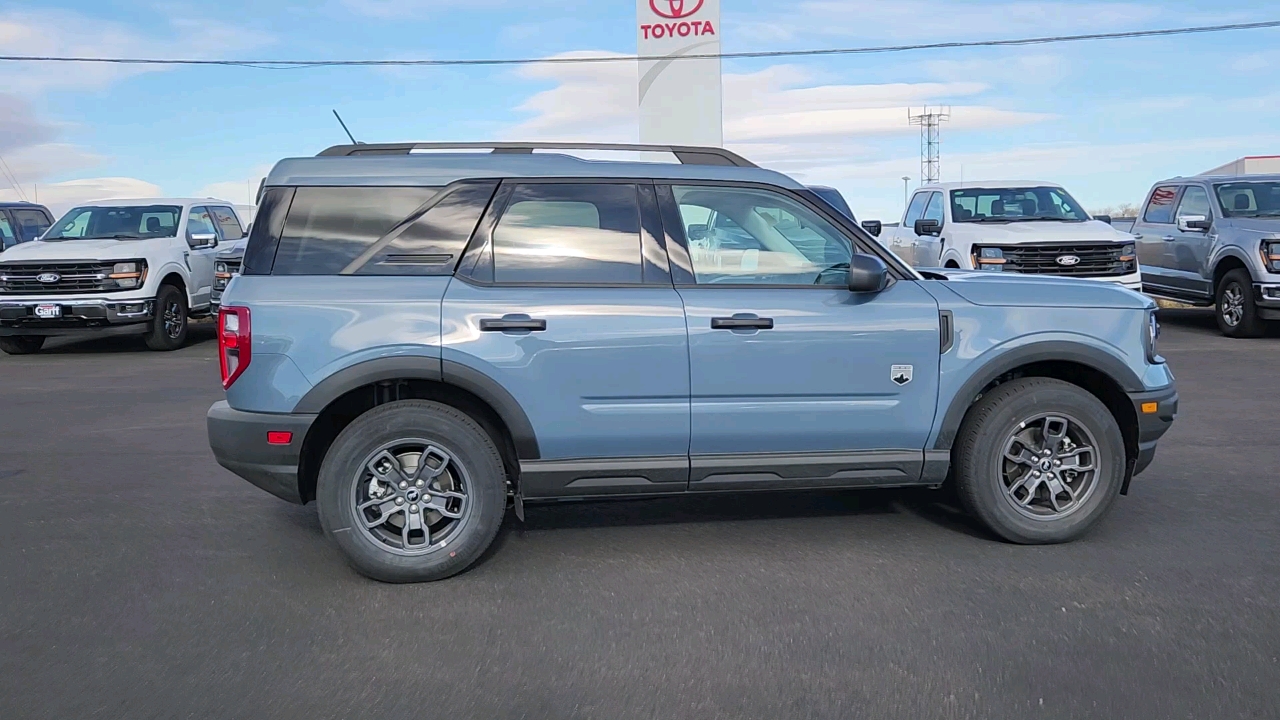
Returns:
<point x="1022" y="227"/>
<point x="141" y="266"/>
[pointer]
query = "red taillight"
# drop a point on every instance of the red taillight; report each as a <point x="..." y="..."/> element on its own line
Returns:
<point x="235" y="342"/>
<point x="279" y="437"/>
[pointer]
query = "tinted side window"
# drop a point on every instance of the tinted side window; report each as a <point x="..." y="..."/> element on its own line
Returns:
<point x="1195" y="201"/>
<point x="432" y="244"/>
<point x="199" y="222"/>
<point x="916" y="209"/>
<point x="31" y="224"/>
<point x="7" y="236"/>
<point x="227" y="222"/>
<point x="569" y="233"/>
<point x="328" y="227"/>
<point x="264" y="235"/>
<point x="1160" y="207"/>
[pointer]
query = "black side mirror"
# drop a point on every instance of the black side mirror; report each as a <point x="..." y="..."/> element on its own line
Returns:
<point x="697" y="232"/>
<point x="1103" y="218"/>
<point x="873" y="226"/>
<point x="927" y="227"/>
<point x="199" y="241"/>
<point x="1199" y="224"/>
<point x="867" y="274"/>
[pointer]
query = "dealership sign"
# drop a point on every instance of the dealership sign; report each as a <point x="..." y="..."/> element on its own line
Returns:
<point x="680" y="95"/>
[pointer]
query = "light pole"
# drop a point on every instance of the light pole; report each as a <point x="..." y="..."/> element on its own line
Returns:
<point x="905" y="179"/>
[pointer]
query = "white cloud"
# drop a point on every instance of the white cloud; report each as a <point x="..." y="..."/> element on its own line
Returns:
<point x="391" y="9"/>
<point x="61" y="197"/>
<point x="927" y="20"/>
<point x="240" y="192"/>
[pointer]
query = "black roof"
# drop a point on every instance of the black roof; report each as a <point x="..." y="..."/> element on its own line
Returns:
<point x="21" y="205"/>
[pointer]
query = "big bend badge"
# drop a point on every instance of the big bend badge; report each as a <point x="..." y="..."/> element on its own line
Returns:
<point x="900" y="374"/>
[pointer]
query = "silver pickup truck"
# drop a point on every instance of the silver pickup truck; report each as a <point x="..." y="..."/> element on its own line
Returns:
<point x="1215" y="240"/>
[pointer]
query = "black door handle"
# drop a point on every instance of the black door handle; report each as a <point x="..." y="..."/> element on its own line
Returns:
<point x="740" y="323"/>
<point x="509" y="323"/>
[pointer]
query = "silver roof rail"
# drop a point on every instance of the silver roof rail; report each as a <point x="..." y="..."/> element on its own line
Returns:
<point x="686" y="154"/>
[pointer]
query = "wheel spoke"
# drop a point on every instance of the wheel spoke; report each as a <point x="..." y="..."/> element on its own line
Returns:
<point x="1054" y="431"/>
<point x="1072" y="460"/>
<point x="386" y="467"/>
<point x="425" y="470"/>
<point x="385" y="510"/>
<point x="1056" y="488"/>
<point x="1027" y="482"/>
<point x="439" y="501"/>
<point x="411" y="527"/>
<point x="1023" y="456"/>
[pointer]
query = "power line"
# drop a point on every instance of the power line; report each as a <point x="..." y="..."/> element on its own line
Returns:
<point x="296" y="64"/>
<point x="13" y="179"/>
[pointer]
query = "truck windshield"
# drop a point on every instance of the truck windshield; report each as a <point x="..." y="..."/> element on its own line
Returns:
<point x="1249" y="199"/>
<point x="1025" y="204"/>
<point x="126" y="222"/>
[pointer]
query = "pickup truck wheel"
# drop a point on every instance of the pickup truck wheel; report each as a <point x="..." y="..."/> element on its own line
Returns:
<point x="412" y="491"/>
<point x="21" y="344"/>
<point x="169" y="326"/>
<point x="1237" y="314"/>
<point x="1039" y="460"/>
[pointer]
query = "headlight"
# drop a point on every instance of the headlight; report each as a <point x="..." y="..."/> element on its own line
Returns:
<point x="1271" y="255"/>
<point x="1152" y="338"/>
<point x="220" y="267"/>
<point x="128" y="275"/>
<point x="988" y="258"/>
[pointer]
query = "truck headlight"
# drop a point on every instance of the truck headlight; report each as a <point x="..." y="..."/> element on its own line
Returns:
<point x="1129" y="257"/>
<point x="1151" y="338"/>
<point x="128" y="275"/>
<point x="1271" y="255"/>
<point x="988" y="258"/>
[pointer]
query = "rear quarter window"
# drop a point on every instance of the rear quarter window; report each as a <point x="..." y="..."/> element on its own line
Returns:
<point x="329" y="227"/>
<point x="1160" y="206"/>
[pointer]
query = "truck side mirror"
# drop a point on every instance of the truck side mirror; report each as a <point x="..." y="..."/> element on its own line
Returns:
<point x="200" y="241"/>
<point x="1103" y="218"/>
<point x="1194" y="223"/>
<point x="867" y="274"/>
<point x="874" y="227"/>
<point x="927" y="227"/>
<point x="697" y="232"/>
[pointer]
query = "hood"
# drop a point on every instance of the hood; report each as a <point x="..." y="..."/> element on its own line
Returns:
<point x="85" y="250"/>
<point x="1268" y="225"/>
<point x="1040" y="231"/>
<point x="231" y="250"/>
<point x="1017" y="290"/>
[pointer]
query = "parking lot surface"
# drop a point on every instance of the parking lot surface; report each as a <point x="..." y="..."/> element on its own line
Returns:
<point x="140" y="579"/>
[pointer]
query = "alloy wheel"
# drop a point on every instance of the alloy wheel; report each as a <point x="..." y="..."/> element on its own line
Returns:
<point x="173" y="319"/>
<point x="411" y="497"/>
<point x="1049" y="466"/>
<point x="1232" y="304"/>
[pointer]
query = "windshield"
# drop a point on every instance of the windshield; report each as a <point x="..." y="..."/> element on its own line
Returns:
<point x="1028" y="204"/>
<point x="1249" y="199"/>
<point x="129" y="222"/>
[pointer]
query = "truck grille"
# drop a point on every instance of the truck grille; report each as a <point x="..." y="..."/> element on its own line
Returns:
<point x="1093" y="260"/>
<point x="76" y="277"/>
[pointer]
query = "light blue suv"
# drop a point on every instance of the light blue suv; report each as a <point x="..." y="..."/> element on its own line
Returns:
<point x="424" y="334"/>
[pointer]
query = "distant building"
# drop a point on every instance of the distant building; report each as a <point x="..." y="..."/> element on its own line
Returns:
<point x="1248" y="165"/>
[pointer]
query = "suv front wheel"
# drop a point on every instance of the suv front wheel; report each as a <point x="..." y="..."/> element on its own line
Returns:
<point x="21" y="344"/>
<point x="412" y="491"/>
<point x="1039" y="460"/>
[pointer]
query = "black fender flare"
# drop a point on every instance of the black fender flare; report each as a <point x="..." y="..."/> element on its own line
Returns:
<point x="1234" y="252"/>
<point x="1043" y="351"/>
<point x="446" y="372"/>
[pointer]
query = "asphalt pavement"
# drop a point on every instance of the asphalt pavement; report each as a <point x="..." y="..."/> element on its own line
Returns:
<point x="139" y="579"/>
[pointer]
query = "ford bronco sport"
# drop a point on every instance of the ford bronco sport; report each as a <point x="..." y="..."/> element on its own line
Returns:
<point x="418" y="339"/>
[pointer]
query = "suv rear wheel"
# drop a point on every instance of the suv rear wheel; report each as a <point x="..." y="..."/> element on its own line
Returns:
<point x="169" y="326"/>
<point x="1236" y="312"/>
<point x="1039" y="460"/>
<point x="412" y="491"/>
<point x="21" y="344"/>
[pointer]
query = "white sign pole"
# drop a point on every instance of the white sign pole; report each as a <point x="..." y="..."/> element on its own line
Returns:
<point x="680" y="100"/>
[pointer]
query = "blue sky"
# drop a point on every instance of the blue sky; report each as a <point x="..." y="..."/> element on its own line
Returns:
<point x="1104" y="118"/>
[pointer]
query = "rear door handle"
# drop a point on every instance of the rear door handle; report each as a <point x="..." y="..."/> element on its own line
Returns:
<point x="512" y="322"/>
<point x="1167" y="238"/>
<point x="741" y="323"/>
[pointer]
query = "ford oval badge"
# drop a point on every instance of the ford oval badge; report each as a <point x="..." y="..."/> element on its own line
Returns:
<point x="48" y="277"/>
<point x="1068" y="260"/>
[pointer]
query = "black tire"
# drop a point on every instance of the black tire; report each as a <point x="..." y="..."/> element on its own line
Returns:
<point x="1236" y="312"/>
<point x="343" y="478"/>
<point x="983" y="475"/>
<point x="21" y="344"/>
<point x="163" y="334"/>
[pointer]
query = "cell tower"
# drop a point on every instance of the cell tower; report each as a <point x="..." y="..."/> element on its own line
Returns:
<point x="929" y="122"/>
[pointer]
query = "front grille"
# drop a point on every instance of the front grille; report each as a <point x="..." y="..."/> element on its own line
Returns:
<point x="1095" y="260"/>
<point x="75" y="277"/>
<point x="233" y="267"/>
